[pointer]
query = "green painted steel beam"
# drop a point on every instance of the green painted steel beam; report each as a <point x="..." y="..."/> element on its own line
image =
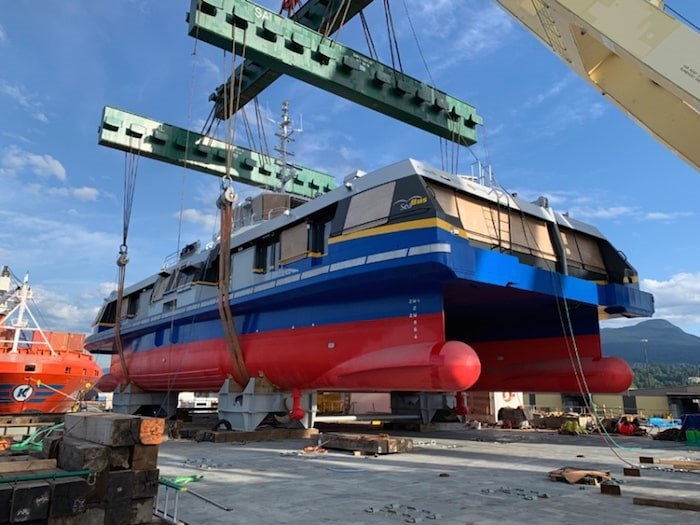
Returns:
<point x="295" y="50"/>
<point x="324" y="16"/>
<point x="160" y="141"/>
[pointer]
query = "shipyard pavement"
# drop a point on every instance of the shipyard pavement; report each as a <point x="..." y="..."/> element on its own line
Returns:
<point x="458" y="476"/>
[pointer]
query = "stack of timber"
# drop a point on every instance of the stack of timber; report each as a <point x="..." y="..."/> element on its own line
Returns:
<point x="100" y="470"/>
<point x="122" y="451"/>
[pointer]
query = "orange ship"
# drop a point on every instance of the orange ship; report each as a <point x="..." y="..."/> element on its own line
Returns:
<point x="40" y="371"/>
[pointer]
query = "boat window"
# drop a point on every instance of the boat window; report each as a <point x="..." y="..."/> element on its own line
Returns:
<point x="109" y="313"/>
<point x="169" y="306"/>
<point x="273" y="255"/>
<point x="482" y="221"/>
<point x="529" y="235"/>
<point x="260" y="261"/>
<point x="582" y="251"/>
<point x="29" y="368"/>
<point x="369" y="209"/>
<point x="319" y="232"/>
<point x="211" y="267"/>
<point x="294" y="243"/>
<point x="160" y="287"/>
<point x="129" y="305"/>
<point x="267" y="255"/>
<point x="446" y="199"/>
<point x="68" y="370"/>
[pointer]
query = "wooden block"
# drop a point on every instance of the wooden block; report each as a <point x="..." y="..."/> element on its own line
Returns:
<point x="18" y="464"/>
<point x="30" y="501"/>
<point x="144" y="457"/>
<point x="687" y="465"/>
<point x="5" y="502"/>
<point x="369" y="444"/>
<point x="646" y="460"/>
<point x="97" y="492"/>
<point x="82" y="455"/>
<point x="75" y="425"/>
<point x="145" y="483"/>
<point x="141" y="511"/>
<point x="92" y="515"/>
<point x="120" y="485"/>
<point x="611" y="490"/>
<point x="68" y="496"/>
<point x="50" y="445"/>
<point x="119" y="457"/>
<point x="634" y="472"/>
<point x="115" y="430"/>
<point x="117" y="513"/>
<point x="668" y="504"/>
<point x="151" y="430"/>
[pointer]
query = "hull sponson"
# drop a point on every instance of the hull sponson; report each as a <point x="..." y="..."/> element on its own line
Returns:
<point x="393" y="354"/>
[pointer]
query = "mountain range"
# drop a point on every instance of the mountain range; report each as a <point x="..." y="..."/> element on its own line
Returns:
<point x="655" y="342"/>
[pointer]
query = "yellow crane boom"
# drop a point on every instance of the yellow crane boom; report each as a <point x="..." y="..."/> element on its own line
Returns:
<point x="644" y="60"/>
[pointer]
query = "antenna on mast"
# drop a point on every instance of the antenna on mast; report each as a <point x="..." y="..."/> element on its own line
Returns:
<point x="286" y="171"/>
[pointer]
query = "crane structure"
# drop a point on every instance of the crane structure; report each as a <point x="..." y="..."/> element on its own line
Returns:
<point x="634" y="53"/>
<point x="293" y="49"/>
<point x="301" y="47"/>
<point x="160" y="141"/>
<point x="324" y="16"/>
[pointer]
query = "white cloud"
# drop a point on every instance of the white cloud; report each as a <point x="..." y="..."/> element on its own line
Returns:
<point x="16" y="161"/>
<point x="549" y="93"/>
<point x="676" y="299"/>
<point x="667" y="217"/>
<point x="600" y="212"/>
<point x="15" y="137"/>
<point x="57" y="312"/>
<point x="485" y="31"/>
<point x="41" y="117"/>
<point x="206" y="220"/>
<point x="86" y="193"/>
<point x="17" y="93"/>
<point x="209" y="67"/>
<point x="3" y="37"/>
<point x="25" y="99"/>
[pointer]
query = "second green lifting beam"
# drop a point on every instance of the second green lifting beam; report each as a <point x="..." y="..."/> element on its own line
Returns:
<point x="292" y="49"/>
<point x="160" y="141"/>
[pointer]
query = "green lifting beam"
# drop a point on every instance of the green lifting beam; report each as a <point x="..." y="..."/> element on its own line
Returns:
<point x="292" y="49"/>
<point x="160" y="141"/>
<point x="324" y="16"/>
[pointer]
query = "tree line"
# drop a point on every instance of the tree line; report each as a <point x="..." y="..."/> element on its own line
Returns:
<point x="660" y="375"/>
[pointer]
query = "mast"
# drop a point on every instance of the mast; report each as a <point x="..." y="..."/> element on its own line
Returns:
<point x="20" y="323"/>
<point x="287" y="172"/>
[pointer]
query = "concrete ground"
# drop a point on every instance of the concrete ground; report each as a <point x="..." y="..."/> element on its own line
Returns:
<point x="461" y="476"/>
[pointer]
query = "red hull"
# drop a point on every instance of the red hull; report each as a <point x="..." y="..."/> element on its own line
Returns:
<point x="395" y="354"/>
<point x="48" y="386"/>
<point x="547" y="365"/>
<point x="375" y="356"/>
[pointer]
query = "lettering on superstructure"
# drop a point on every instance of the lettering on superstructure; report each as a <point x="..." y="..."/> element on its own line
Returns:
<point x="691" y="72"/>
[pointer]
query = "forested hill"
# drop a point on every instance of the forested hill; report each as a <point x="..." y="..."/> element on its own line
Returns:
<point x="665" y="343"/>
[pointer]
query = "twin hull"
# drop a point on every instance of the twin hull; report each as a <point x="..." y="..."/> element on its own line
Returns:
<point x="407" y="279"/>
<point x="399" y="325"/>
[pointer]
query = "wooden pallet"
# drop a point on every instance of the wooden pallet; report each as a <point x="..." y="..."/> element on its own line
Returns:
<point x="577" y="475"/>
<point x="366" y="443"/>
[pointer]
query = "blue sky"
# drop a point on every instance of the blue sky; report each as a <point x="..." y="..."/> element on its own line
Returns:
<point x="545" y="132"/>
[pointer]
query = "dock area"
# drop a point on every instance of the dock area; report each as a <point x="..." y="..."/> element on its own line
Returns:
<point x="454" y="476"/>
